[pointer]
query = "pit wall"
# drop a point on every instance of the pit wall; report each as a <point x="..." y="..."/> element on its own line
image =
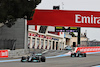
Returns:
<point x="17" y="53"/>
<point x="20" y="52"/>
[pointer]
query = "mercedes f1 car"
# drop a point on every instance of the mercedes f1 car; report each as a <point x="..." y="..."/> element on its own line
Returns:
<point x="78" y="54"/>
<point x="34" y="58"/>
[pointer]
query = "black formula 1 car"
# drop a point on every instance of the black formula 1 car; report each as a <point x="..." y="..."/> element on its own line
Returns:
<point x="34" y="58"/>
<point x="78" y="54"/>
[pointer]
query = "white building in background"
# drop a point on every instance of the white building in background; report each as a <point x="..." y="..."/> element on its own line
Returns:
<point x="40" y="37"/>
<point x="72" y="41"/>
<point x="44" y="39"/>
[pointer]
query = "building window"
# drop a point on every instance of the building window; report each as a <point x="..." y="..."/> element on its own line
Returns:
<point x="53" y="45"/>
<point x="49" y="44"/>
<point x="43" y="29"/>
<point x="32" y="27"/>
<point x="42" y="43"/>
<point x="46" y="44"/>
<point x="28" y="43"/>
<point x="38" y="43"/>
<point x="56" y="45"/>
<point x="60" y="46"/>
<point x="33" y="43"/>
<point x="74" y="44"/>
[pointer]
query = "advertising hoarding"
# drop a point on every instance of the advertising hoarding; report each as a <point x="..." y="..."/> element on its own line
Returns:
<point x="70" y="18"/>
<point x="3" y="53"/>
<point x="88" y="49"/>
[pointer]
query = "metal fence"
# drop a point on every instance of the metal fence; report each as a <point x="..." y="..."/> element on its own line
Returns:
<point x="7" y="44"/>
<point x="89" y="43"/>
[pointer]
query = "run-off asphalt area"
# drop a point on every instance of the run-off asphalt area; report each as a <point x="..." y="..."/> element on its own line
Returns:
<point x="88" y="61"/>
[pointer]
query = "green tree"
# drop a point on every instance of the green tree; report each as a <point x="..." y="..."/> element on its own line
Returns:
<point x="10" y="10"/>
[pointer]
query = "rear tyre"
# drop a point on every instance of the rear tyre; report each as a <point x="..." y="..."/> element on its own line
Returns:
<point x="72" y="55"/>
<point x="84" y="54"/>
<point x="43" y="59"/>
<point x="23" y="58"/>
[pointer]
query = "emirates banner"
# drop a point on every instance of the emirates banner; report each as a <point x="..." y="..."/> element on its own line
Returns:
<point x="66" y="18"/>
<point x="88" y="49"/>
<point x="3" y="53"/>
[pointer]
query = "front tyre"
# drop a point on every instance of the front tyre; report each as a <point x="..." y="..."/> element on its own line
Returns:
<point x="43" y="59"/>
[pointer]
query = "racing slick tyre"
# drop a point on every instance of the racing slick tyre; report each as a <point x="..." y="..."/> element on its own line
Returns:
<point x="23" y="58"/>
<point x="43" y="59"/>
<point x="73" y="55"/>
<point x="84" y="55"/>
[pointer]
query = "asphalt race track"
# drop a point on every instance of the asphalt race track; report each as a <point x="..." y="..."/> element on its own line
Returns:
<point x="89" y="61"/>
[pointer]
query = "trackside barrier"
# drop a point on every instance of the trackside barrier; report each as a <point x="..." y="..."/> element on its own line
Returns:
<point x="3" y="53"/>
<point x="88" y="49"/>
